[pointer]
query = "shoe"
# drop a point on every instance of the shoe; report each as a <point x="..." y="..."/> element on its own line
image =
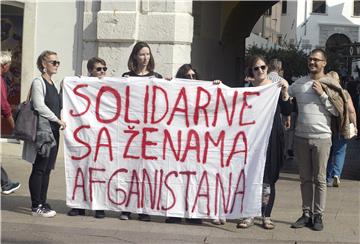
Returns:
<point x="267" y="223"/>
<point x="245" y="223"/>
<point x="172" y="220"/>
<point x="99" y="214"/>
<point x="43" y="212"/>
<point x="194" y="221"/>
<point x="318" y="223"/>
<point x="336" y="181"/>
<point x="76" y="212"/>
<point x="8" y="189"/>
<point x="144" y="217"/>
<point x="125" y="216"/>
<point x="330" y="183"/>
<point x="304" y="220"/>
<point x="48" y="208"/>
<point x="218" y="221"/>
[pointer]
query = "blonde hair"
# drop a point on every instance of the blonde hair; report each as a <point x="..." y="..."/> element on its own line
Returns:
<point x="42" y="57"/>
<point x="5" y="57"/>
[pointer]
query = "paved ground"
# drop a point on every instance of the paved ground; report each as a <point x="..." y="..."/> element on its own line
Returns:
<point x="342" y="220"/>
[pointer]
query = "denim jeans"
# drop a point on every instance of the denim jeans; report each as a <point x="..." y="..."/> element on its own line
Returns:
<point x="337" y="157"/>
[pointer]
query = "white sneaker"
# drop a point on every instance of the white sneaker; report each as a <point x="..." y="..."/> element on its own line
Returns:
<point x="336" y="182"/>
<point x="43" y="212"/>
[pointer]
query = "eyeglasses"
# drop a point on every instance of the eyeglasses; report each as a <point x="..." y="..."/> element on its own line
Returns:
<point x="262" y="67"/>
<point x="315" y="59"/>
<point x="98" y="69"/>
<point x="54" y="62"/>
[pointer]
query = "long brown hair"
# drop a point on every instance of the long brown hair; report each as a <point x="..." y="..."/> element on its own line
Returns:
<point x="132" y="63"/>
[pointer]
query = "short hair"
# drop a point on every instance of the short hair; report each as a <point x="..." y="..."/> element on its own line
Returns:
<point x="132" y="63"/>
<point x="275" y="65"/>
<point x="5" y="57"/>
<point x="251" y="62"/>
<point x="184" y="69"/>
<point x="319" y="50"/>
<point x="92" y="61"/>
<point x="42" y="57"/>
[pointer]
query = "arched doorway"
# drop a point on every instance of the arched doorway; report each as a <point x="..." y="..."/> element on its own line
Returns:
<point x="337" y="46"/>
<point x="220" y="30"/>
<point x="335" y="41"/>
<point x="12" y="15"/>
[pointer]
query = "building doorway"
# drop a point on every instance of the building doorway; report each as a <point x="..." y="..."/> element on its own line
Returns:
<point x="12" y="16"/>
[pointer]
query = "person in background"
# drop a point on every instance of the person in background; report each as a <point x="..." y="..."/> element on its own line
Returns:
<point x="7" y="186"/>
<point x="338" y="149"/>
<point x="96" y="68"/>
<point x="275" y="74"/>
<point x="312" y="140"/>
<point x="258" y="69"/>
<point x="46" y="101"/>
<point x="140" y="64"/>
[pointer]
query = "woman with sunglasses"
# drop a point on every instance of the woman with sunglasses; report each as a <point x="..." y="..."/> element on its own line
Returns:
<point x="46" y="101"/>
<point x="186" y="71"/>
<point x="274" y="156"/>
<point x="96" y="68"/>
<point x="141" y="64"/>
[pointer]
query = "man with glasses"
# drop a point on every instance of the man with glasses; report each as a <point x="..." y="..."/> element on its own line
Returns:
<point x="312" y="140"/>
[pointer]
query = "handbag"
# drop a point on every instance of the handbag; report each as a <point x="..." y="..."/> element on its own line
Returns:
<point x="26" y="120"/>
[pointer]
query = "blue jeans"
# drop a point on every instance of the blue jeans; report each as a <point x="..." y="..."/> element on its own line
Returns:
<point x="337" y="157"/>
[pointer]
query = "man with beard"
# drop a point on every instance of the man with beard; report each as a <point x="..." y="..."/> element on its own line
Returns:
<point x="312" y="140"/>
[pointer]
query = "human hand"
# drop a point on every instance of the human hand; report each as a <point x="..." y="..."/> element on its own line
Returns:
<point x="318" y="88"/>
<point x="287" y="122"/>
<point x="62" y="124"/>
<point x="217" y="82"/>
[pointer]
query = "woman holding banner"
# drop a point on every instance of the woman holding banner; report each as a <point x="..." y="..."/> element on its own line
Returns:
<point x="46" y="101"/>
<point x="186" y="71"/>
<point x="274" y="156"/>
<point x="141" y="64"/>
<point x="96" y="68"/>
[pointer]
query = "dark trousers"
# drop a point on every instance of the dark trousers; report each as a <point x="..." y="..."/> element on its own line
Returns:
<point x="4" y="178"/>
<point x="268" y="198"/>
<point x="40" y="174"/>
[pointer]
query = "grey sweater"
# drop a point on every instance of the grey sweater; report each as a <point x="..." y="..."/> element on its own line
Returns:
<point x="314" y="111"/>
<point x="38" y="93"/>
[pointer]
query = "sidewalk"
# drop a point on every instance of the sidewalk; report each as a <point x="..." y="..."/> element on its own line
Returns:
<point x="18" y="226"/>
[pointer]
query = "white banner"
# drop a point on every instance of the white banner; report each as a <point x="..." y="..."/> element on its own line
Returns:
<point x="176" y="148"/>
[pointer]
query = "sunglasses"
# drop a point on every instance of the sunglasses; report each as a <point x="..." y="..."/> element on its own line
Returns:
<point x="98" y="69"/>
<point x="54" y="62"/>
<point x="262" y="67"/>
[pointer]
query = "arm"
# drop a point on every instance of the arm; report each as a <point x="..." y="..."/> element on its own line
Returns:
<point x="38" y="101"/>
<point x="352" y="113"/>
<point x="324" y="98"/>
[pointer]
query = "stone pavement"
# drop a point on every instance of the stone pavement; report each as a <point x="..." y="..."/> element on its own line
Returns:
<point x="342" y="219"/>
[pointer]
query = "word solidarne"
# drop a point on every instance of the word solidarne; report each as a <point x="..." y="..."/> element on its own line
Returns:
<point x="203" y="108"/>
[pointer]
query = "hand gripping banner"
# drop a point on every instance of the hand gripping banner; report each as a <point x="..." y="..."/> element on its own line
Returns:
<point x="176" y="148"/>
